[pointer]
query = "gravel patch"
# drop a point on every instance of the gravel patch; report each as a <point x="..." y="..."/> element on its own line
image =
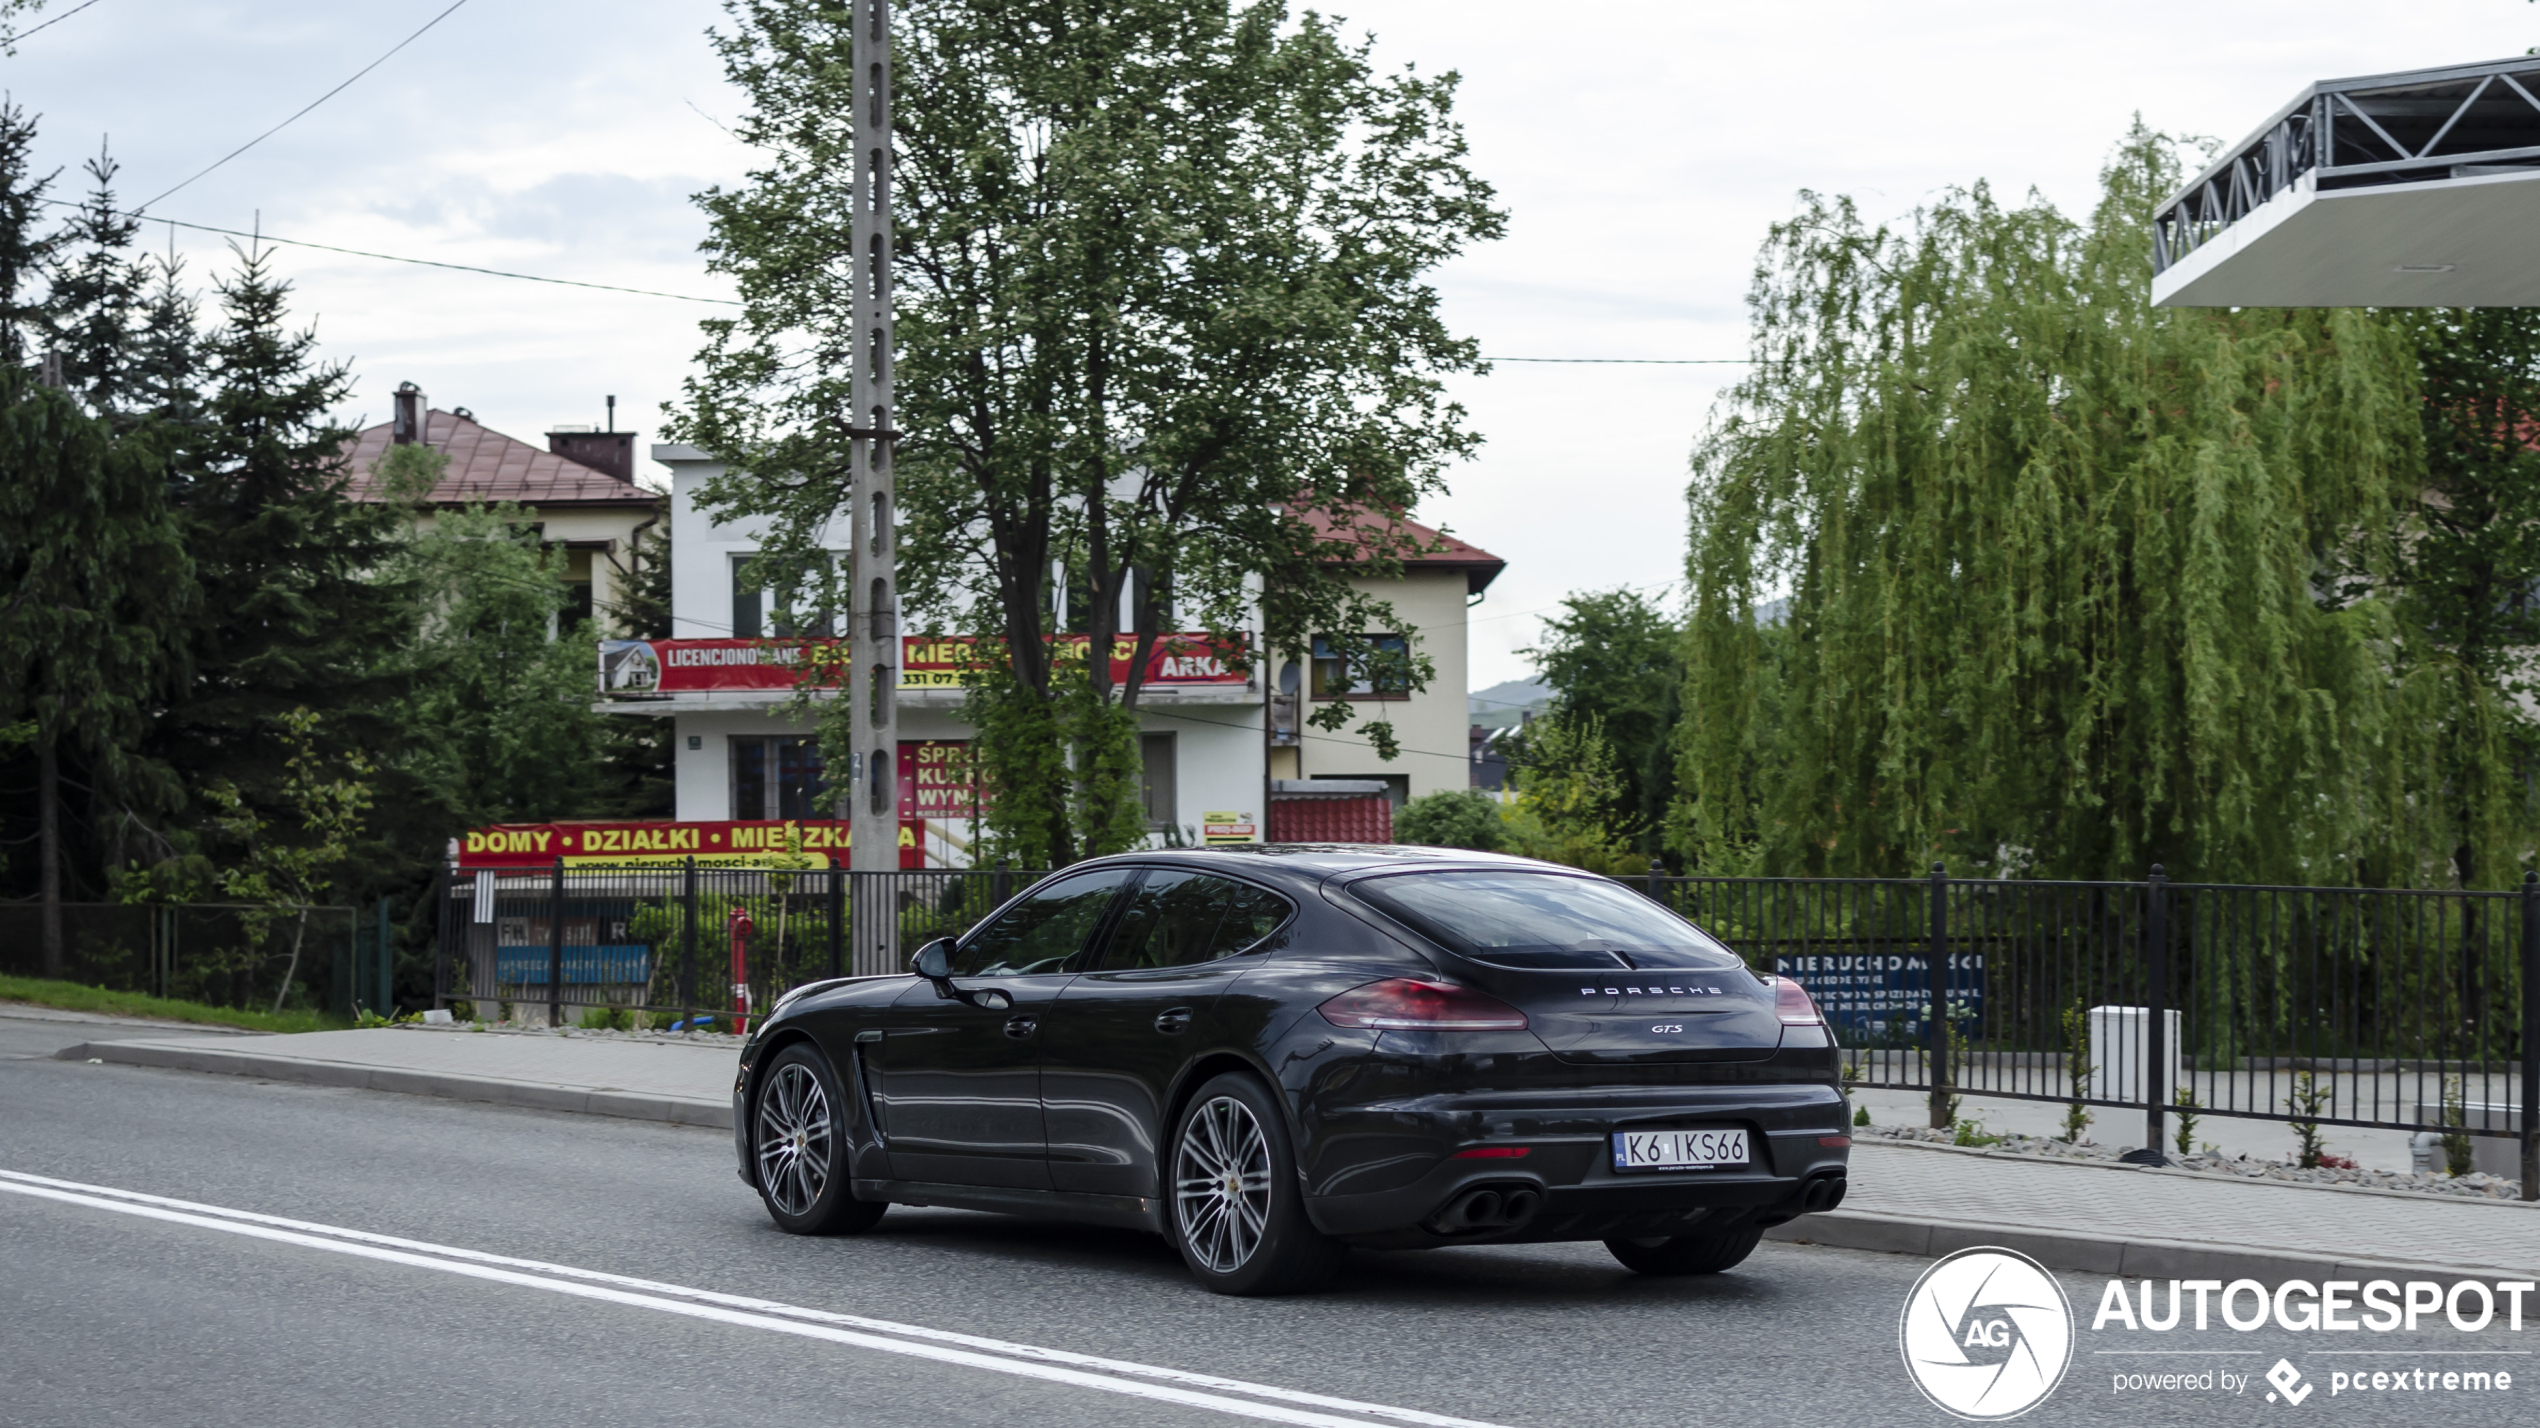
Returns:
<point x="2237" y="1167"/>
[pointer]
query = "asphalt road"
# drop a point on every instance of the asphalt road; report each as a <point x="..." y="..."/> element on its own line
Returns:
<point x="108" y="1316"/>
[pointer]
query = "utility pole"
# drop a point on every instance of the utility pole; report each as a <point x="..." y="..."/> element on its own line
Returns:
<point x="872" y="636"/>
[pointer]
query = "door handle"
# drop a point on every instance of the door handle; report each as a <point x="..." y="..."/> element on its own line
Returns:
<point x="1174" y="1022"/>
<point x="1021" y="1028"/>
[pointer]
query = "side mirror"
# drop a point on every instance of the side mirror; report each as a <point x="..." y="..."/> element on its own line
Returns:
<point x="934" y="962"/>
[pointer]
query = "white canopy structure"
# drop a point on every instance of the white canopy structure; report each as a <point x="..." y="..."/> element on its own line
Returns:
<point x="2419" y="189"/>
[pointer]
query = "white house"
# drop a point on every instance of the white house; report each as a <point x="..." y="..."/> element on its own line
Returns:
<point x="1209" y="752"/>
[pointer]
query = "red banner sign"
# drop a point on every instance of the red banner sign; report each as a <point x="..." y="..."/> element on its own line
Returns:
<point x="939" y="799"/>
<point x="640" y="669"/>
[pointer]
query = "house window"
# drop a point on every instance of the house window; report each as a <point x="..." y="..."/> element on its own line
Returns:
<point x="1155" y="754"/>
<point x="1387" y="680"/>
<point x="754" y="612"/>
<point x="778" y="778"/>
<point x="749" y="600"/>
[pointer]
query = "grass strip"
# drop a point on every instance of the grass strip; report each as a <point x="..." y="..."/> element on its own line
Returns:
<point x="72" y="996"/>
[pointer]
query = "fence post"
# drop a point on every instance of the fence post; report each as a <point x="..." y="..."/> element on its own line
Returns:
<point x="2531" y="1036"/>
<point x="555" y="949"/>
<point x="1936" y="984"/>
<point x="386" y="988"/>
<point x="837" y="921"/>
<point x="1656" y="871"/>
<point x="2156" y="1017"/>
<point x="688" y="953"/>
<point x="441" y="888"/>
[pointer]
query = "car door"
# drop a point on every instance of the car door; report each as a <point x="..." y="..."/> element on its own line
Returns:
<point x="957" y="1085"/>
<point x="1126" y="1026"/>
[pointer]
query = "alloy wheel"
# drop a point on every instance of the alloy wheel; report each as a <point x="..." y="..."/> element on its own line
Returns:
<point x="793" y="1139"/>
<point x="1221" y="1184"/>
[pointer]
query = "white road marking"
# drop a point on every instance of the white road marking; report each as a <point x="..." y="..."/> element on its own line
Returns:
<point x="996" y="1355"/>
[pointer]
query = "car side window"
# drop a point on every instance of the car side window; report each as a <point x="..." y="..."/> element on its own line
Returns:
<point x="1042" y="932"/>
<point x="1251" y="914"/>
<point x="1181" y="919"/>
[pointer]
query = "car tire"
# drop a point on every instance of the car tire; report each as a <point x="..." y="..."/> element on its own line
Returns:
<point x="798" y="1148"/>
<point x="1689" y="1254"/>
<point x="1234" y="1205"/>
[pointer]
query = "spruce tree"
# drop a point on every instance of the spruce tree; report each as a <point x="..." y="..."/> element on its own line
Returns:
<point x="24" y="248"/>
<point x="96" y="299"/>
<point x="293" y="615"/>
<point x="94" y="593"/>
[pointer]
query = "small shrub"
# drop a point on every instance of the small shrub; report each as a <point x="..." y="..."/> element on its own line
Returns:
<point x="2457" y="1156"/>
<point x="1861" y="1116"/>
<point x="1970" y="1133"/>
<point x="2305" y="1103"/>
<point x="608" y="1019"/>
<point x="1456" y="818"/>
<point x="2187" y="1118"/>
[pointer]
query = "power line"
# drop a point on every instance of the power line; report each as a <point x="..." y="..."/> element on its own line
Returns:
<point x="314" y="103"/>
<point x="395" y="258"/>
<point x="66" y="14"/>
<point x="1637" y="361"/>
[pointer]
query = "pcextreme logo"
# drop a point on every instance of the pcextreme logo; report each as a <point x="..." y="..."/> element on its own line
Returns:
<point x="1986" y="1334"/>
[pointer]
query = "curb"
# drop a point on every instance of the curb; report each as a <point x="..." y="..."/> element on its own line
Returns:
<point x="2121" y="1256"/>
<point x="596" y="1101"/>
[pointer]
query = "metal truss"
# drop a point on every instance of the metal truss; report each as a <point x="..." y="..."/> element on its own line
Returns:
<point x="2464" y="121"/>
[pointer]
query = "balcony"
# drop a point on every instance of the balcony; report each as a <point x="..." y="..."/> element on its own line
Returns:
<point x="2400" y="190"/>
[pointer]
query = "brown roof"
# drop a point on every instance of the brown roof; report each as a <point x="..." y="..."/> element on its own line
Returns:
<point x="1434" y="549"/>
<point x="486" y="465"/>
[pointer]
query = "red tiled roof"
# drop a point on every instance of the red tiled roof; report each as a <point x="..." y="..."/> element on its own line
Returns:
<point x="1331" y="820"/>
<point x="486" y="465"/>
<point x="1435" y="549"/>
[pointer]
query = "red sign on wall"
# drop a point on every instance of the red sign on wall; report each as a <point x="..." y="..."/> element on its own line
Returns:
<point x="938" y="801"/>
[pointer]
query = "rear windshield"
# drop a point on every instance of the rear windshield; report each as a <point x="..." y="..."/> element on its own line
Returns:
<point x="1517" y="919"/>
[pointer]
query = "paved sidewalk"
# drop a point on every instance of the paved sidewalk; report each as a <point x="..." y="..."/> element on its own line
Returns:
<point x="655" y="1080"/>
<point x="1919" y="1200"/>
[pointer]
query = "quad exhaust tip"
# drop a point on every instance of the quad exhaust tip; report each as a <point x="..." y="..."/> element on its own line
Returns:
<point x="1823" y="1193"/>
<point x="1488" y="1207"/>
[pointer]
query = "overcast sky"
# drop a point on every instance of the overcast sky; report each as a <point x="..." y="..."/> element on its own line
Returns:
<point x="1640" y="146"/>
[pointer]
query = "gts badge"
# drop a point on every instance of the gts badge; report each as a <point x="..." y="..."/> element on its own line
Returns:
<point x="1650" y="991"/>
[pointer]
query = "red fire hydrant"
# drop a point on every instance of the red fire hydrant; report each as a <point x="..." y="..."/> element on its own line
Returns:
<point x="741" y="927"/>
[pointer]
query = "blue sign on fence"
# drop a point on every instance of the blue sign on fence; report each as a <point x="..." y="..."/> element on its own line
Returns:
<point x="1870" y="996"/>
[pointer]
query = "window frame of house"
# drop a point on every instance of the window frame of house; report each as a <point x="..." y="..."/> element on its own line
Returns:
<point x="1160" y="797"/>
<point x="765" y="757"/>
<point x="1326" y="667"/>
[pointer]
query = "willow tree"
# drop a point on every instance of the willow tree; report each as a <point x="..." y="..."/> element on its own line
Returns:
<point x="2071" y="582"/>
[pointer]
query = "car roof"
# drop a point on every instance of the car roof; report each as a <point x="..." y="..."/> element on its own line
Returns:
<point x="1321" y="862"/>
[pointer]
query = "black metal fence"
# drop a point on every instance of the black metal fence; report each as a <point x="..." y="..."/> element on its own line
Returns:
<point x="2398" y="1009"/>
<point x="683" y="945"/>
<point x="219" y="954"/>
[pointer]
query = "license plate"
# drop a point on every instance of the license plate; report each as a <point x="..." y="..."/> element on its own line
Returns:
<point x="1679" y="1149"/>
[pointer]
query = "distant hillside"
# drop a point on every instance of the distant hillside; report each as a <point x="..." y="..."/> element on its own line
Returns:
<point x="1506" y="703"/>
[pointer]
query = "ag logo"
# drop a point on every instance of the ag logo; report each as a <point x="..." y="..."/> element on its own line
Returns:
<point x="1986" y="1334"/>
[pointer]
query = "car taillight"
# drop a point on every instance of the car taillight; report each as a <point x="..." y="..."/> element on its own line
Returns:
<point x="1405" y="1005"/>
<point x="1790" y="1000"/>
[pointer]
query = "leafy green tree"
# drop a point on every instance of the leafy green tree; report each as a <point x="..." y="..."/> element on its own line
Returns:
<point x="1618" y="656"/>
<point x="2468" y="577"/>
<point x="2056" y="562"/>
<point x="501" y="691"/>
<point x="1160" y="267"/>
<point x="96" y="593"/>
<point x="1571" y="791"/>
<point x="293" y="875"/>
<point x="1452" y="818"/>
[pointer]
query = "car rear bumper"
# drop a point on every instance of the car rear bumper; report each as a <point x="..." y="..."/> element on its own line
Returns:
<point x="1802" y="1152"/>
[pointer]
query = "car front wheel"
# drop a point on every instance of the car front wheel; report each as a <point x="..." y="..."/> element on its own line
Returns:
<point x="798" y="1147"/>
<point x="1237" y="1210"/>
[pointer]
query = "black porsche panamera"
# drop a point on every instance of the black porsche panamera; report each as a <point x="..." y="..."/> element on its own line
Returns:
<point x="1271" y="1053"/>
